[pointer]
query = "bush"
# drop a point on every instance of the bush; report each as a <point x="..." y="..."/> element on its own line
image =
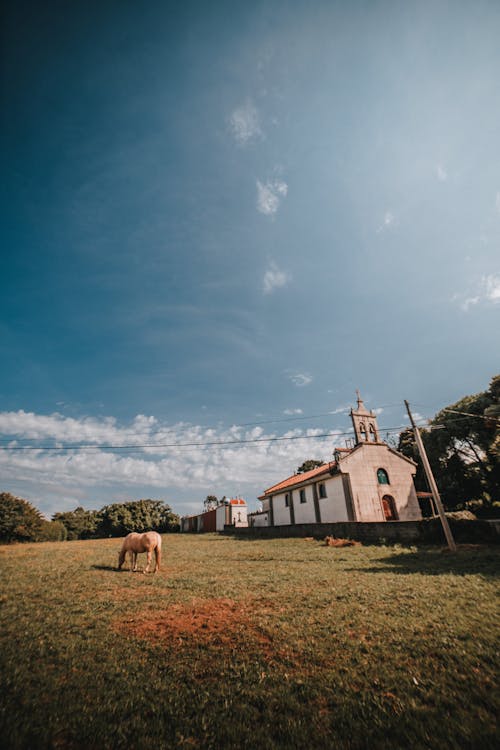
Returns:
<point x="19" y="520"/>
<point x="482" y="509"/>
<point x="79" y="523"/>
<point x="137" y="515"/>
<point x="52" y="531"/>
<point x="461" y="515"/>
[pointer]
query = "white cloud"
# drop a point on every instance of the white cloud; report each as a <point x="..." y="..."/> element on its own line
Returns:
<point x="491" y="285"/>
<point x="59" y="427"/>
<point x="291" y="412"/>
<point x="345" y="409"/>
<point x="300" y="378"/>
<point x="418" y="419"/>
<point x="487" y="291"/>
<point x="469" y="302"/>
<point x="388" y="222"/>
<point x="269" y="195"/>
<point x="274" y="278"/>
<point x="244" y="123"/>
<point x="441" y="173"/>
<point x="187" y="457"/>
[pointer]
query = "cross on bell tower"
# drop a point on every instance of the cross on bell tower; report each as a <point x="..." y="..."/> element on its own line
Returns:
<point x="364" y="423"/>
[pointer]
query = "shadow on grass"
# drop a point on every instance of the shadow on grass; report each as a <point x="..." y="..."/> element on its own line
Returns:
<point x="114" y="569"/>
<point x="465" y="561"/>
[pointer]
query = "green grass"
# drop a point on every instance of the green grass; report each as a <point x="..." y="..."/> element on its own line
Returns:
<point x="248" y="644"/>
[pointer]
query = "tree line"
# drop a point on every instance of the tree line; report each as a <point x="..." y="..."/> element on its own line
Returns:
<point x="20" y="521"/>
<point x="462" y="443"/>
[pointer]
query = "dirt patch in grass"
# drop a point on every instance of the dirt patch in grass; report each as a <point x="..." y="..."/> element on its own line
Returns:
<point x="223" y="623"/>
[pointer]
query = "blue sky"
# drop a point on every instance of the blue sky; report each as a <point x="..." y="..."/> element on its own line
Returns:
<point x="219" y="220"/>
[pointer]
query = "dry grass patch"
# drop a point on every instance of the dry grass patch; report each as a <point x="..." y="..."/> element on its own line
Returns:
<point x="221" y="623"/>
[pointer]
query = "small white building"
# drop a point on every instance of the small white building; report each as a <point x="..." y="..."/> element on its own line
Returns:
<point x="258" y="518"/>
<point x="231" y="513"/>
<point x="369" y="482"/>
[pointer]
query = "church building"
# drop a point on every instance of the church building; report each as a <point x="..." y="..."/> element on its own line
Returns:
<point x="368" y="482"/>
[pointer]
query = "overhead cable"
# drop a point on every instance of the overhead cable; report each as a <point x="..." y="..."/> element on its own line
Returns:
<point x="204" y="444"/>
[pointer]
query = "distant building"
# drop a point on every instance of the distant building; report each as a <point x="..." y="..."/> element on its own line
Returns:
<point x="229" y="513"/>
<point x="368" y="482"/>
<point x="259" y="518"/>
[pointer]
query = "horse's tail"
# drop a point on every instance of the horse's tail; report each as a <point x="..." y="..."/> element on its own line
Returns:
<point x="158" y="553"/>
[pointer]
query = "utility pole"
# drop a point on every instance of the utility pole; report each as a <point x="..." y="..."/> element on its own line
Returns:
<point x="432" y="482"/>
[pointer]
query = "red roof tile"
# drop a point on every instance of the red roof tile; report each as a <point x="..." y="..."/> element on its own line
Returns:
<point x="300" y="478"/>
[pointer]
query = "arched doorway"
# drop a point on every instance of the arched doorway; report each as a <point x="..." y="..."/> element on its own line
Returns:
<point x="389" y="508"/>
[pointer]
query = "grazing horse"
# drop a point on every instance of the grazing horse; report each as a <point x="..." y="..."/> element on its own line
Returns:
<point x="136" y="543"/>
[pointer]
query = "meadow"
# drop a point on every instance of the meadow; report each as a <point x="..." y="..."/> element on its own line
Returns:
<point x="248" y="644"/>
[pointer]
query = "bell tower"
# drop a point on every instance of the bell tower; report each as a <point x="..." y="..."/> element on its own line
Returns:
<point x="364" y="423"/>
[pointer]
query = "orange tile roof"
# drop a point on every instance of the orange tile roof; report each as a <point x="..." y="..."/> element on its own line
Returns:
<point x="300" y="478"/>
<point x="237" y="501"/>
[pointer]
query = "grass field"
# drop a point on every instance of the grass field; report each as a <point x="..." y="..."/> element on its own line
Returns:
<point x="248" y="644"/>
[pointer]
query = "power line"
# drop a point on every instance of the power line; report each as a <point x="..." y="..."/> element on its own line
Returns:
<point x="205" y="444"/>
<point x="184" y="427"/>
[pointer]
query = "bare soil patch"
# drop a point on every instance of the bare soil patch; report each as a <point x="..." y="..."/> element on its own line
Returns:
<point x="219" y="622"/>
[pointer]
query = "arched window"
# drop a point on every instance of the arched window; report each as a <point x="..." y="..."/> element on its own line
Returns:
<point x="373" y="435"/>
<point x="362" y="430"/>
<point x="382" y="476"/>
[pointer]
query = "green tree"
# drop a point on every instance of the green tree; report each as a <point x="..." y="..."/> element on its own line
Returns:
<point x="52" y="531"/>
<point x="492" y="414"/>
<point x="308" y="465"/>
<point x="137" y="515"/>
<point x="210" y="502"/>
<point x="408" y="447"/>
<point x="79" y="523"/>
<point x="20" y="521"/>
<point x="463" y="447"/>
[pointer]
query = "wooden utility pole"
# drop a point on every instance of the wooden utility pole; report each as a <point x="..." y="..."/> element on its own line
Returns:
<point x="432" y="482"/>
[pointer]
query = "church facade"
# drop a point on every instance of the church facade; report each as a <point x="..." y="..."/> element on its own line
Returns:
<point x="368" y="482"/>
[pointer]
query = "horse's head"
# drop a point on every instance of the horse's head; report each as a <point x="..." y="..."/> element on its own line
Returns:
<point x="121" y="559"/>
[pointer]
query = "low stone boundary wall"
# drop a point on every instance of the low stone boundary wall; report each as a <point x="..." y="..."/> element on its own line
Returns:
<point x="427" y="531"/>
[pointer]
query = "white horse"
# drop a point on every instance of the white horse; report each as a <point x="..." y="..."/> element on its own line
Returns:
<point x="136" y="543"/>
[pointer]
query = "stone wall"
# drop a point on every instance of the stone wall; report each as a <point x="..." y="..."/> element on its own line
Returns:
<point x="427" y="531"/>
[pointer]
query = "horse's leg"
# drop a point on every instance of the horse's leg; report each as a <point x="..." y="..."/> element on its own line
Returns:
<point x="121" y="559"/>
<point x="146" y="569"/>
<point x="134" y="561"/>
<point x="157" y="558"/>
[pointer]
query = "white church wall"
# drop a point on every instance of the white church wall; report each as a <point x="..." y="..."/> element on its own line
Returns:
<point x="304" y="511"/>
<point x="333" y="507"/>
<point x="281" y="513"/>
